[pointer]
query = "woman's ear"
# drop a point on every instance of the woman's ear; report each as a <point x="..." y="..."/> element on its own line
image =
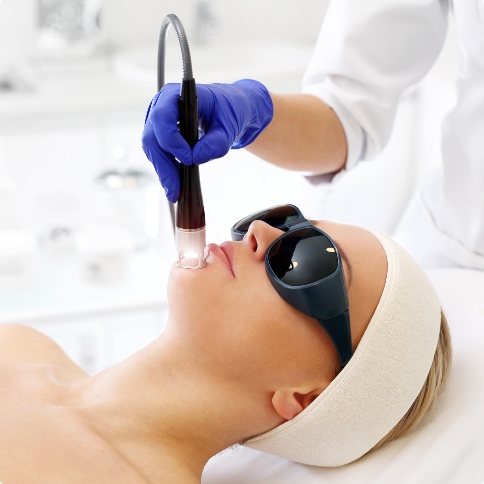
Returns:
<point x="291" y="402"/>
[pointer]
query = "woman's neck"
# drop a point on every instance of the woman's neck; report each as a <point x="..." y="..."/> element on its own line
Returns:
<point x="165" y="413"/>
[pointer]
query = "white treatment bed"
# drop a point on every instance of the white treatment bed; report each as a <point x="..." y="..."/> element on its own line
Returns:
<point x="447" y="449"/>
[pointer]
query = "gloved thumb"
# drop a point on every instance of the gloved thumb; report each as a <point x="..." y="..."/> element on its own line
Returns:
<point x="170" y="139"/>
<point x="214" y="144"/>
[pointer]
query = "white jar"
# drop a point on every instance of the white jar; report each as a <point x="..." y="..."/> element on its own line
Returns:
<point x="18" y="29"/>
<point x="103" y="253"/>
<point x="17" y="259"/>
<point x="130" y="199"/>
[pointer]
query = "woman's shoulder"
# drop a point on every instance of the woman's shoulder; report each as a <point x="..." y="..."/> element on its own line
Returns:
<point x="24" y="345"/>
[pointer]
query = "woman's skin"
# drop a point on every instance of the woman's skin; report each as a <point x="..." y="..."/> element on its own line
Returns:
<point x="235" y="360"/>
<point x="304" y="135"/>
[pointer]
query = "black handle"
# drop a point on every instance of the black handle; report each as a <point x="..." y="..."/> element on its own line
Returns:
<point x="188" y="107"/>
<point x="190" y="213"/>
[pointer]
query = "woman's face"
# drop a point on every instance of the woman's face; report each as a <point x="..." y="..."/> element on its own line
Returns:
<point x="237" y="324"/>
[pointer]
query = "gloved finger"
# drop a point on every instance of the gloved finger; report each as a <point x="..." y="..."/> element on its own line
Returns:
<point x="152" y="103"/>
<point x="166" y="167"/>
<point x="171" y="140"/>
<point x="164" y="116"/>
<point x="214" y="144"/>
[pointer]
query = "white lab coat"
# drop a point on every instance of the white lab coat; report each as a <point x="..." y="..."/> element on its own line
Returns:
<point x="368" y="53"/>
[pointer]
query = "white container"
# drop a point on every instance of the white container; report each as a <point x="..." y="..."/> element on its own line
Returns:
<point x="18" y="26"/>
<point x="17" y="259"/>
<point x="104" y="253"/>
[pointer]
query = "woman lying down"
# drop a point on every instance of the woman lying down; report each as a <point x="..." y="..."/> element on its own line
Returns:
<point x="314" y="341"/>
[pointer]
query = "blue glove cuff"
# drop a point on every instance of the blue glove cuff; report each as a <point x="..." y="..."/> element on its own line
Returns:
<point x="262" y="111"/>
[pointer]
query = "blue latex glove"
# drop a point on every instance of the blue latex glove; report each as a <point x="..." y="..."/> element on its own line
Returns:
<point x="230" y="115"/>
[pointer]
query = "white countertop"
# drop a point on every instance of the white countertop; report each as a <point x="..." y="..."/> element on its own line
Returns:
<point x="75" y="94"/>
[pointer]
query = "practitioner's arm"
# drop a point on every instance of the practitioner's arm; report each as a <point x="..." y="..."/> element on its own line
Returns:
<point x="305" y="134"/>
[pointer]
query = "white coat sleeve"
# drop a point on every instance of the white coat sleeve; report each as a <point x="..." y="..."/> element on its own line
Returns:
<point x="368" y="52"/>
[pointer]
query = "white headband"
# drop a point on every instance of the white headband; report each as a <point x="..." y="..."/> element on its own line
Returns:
<point x="381" y="381"/>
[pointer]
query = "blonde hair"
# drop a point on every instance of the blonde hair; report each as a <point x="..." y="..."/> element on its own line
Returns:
<point x="432" y="388"/>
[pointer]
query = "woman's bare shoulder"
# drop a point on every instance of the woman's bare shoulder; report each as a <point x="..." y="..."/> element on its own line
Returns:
<point x="21" y="344"/>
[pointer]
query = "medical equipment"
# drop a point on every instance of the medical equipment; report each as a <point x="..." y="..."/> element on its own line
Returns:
<point x="304" y="266"/>
<point x="379" y="384"/>
<point x="189" y="224"/>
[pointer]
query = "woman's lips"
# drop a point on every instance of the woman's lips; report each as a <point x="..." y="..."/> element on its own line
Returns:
<point x="223" y="252"/>
<point x="228" y="248"/>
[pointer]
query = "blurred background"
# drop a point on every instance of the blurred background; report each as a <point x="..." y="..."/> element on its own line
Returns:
<point x="85" y="238"/>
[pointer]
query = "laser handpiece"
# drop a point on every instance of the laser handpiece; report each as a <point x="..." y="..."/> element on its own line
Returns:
<point x="189" y="222"/>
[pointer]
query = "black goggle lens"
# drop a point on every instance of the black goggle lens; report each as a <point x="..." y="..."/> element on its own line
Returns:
<point x="303" y="257"/>
<point x="275" y="217"/>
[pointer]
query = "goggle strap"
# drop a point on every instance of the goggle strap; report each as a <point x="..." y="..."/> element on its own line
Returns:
<point x="339" y="330"/>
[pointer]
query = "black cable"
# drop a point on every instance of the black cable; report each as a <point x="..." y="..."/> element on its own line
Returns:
<point x="173" y="20"/>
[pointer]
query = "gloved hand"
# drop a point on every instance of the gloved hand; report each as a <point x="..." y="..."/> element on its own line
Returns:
<point x="230" y="115"/>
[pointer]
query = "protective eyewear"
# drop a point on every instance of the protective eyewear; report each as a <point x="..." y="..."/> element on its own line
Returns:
<point x="305" y="268"/>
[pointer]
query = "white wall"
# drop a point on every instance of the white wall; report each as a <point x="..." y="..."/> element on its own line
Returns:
<point x="131" y="23"/>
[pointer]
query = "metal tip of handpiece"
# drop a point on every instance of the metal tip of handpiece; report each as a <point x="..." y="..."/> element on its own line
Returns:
<point x="190" y="246"/>
<point x="190" y="261"/>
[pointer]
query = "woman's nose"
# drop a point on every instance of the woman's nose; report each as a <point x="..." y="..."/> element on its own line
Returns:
<point x="260" y="236"/>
